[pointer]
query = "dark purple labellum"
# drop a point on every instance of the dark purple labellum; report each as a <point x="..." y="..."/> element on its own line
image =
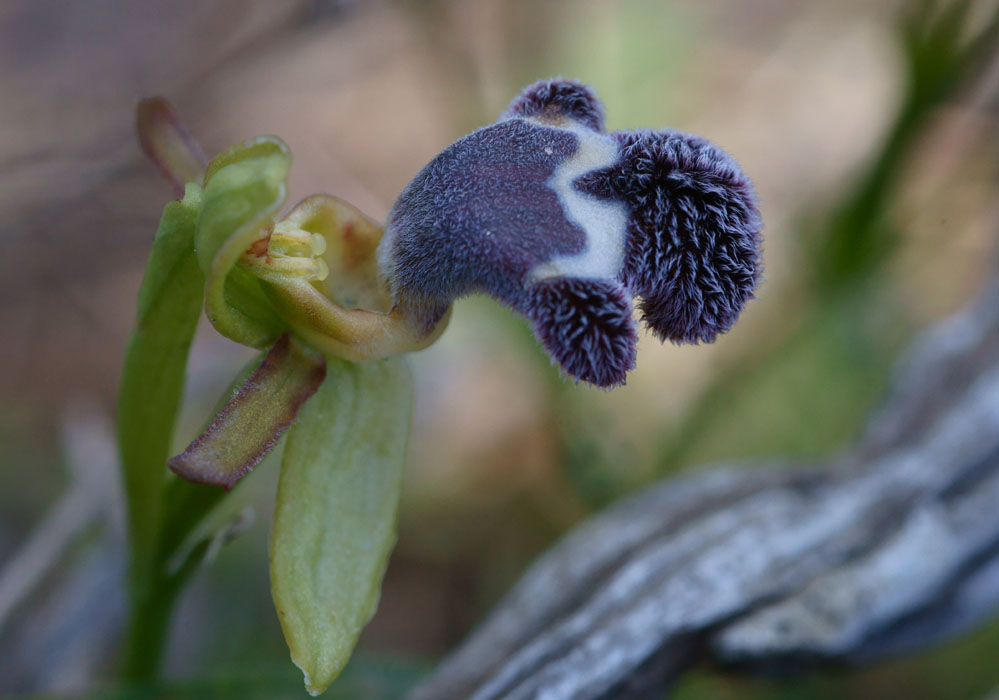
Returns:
<point x="256" y="416"/>
<point x="568" y="224"/>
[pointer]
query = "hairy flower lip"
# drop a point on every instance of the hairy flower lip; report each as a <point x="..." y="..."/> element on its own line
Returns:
<point x="569" y="225"/>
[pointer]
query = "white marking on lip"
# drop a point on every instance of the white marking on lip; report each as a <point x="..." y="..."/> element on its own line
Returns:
<point x="604" y="223"/>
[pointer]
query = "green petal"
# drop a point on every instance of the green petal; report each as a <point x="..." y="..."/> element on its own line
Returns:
<point x="152" y="380"/>
<point x="168" y="144"/>
<point x="254" y="418"/>
<point x="244" y="189"/>
<point x="334" y="521"/>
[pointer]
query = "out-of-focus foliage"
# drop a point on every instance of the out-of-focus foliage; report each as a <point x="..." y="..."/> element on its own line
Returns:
<point x="370" y="678"/>
<point x="818" y="382"/>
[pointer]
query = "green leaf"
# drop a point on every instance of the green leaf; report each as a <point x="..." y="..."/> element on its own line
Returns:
<point x="334" y="521"/>
<point x="254" y="418"/>
<point x="244" y="189"/>
<point x="152" y="381"/>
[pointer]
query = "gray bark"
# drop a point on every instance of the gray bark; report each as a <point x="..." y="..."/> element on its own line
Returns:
<point x="889" y="548"/>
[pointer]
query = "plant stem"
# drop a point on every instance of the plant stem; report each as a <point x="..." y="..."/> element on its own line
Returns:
<point x="150" y="616"/>
<point x="148" y="626"/>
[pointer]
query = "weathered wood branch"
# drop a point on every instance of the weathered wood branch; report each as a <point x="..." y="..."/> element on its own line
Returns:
<point x="890" y="548"/>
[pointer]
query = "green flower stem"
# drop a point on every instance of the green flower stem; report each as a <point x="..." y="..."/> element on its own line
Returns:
<point x="151" y="614"/>
<point x="146" y="637"/>
<point x="147" y="630"/>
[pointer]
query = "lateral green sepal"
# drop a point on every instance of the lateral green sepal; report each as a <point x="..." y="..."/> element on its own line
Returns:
<point x="335" y="516"/>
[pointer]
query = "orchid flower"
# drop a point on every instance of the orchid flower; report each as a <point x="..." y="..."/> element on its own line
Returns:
<point x="543" y="210"/>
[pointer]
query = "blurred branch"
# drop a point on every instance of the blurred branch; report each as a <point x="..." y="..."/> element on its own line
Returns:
<point x="60" y="602"/>
<point x="92" y="462"/>
<point x="890" y="549"/>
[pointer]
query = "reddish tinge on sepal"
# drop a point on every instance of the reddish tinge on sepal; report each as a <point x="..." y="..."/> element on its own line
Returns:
<point x="168" y="144"/>
<point x="256" y="416"/>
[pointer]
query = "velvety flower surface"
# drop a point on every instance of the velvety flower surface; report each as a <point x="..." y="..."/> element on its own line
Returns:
<point x="568" y="224"/>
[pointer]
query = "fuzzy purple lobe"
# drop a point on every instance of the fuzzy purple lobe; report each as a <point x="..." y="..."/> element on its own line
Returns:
<point x="484" y="216"/>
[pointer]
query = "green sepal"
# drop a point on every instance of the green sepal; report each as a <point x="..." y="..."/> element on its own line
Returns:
<point x="335" y="517"/>
<point x="251" y="422"/>
<point x="244" y="189"/>
<point x="187" y="505"/>
<point x="152" y="381"/>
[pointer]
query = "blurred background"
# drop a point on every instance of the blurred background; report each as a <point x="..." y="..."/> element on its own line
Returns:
<point x="869" y="128"/>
